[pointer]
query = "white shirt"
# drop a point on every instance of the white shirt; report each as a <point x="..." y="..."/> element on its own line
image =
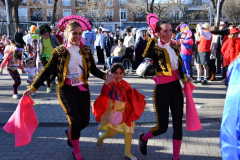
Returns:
<point x="100" y="40"/>
<point x="75" y="60"/>
<point x="206" y="35"/>
<point x="128" y="41"/>
<point x="32" y="73"/>
<point x="172" y="55"/>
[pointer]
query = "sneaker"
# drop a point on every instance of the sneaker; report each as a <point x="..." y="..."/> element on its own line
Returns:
<point x="99" y="141"/>
<point x="33" y="94"/>
<point x="52" y="86"/>
<point x="142" y="145"/>
<point x="196" y="81"/>
<point x="15" y="96"/>
<point x="130" y="157"/>
<point x="127" y="71"/>
<point x="49" y="90"/>
<point x="204" y="82"/>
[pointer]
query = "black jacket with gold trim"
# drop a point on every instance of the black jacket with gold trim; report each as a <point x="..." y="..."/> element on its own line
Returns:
<point x="161" y="59"/>
<point x="59" y="63"/>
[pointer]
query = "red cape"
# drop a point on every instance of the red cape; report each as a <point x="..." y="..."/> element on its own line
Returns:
<point x="134" y="100"/>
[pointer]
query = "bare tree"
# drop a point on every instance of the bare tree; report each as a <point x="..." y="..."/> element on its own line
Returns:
<point x="162" y="10"/>
<point x="13" y="6"/>
<point x="39" y="11"/>
<point x="96" y="11"/>
<point x="231" y="9"/>
<point x="215" y="4"/>
<point x="53" y="19"/>
<point x="137" y="12"/>
<point x="150" y="4"/>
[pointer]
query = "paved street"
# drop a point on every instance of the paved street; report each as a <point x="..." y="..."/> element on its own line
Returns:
<point x="50" y="142"/>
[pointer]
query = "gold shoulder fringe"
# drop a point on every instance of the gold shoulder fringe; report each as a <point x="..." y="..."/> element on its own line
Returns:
<point x="61" y="50"/>
<point x="155" y="110"/>
<point x="148" y="45"/>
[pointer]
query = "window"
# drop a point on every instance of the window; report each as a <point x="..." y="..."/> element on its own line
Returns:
<point x="110" y="15"/>
<point x="3" y="14"/>
<point x="66" y="3"/>
<point x="197" y="2"/>
<point x="49" y="12"/>
<point x="123" y="14"/>
<point x="108" y="2"/>
<point x="122" y="2"/>
<point x="22" y="14"/>
<point x="66" y="12"/>
<point x="50" y="2"/>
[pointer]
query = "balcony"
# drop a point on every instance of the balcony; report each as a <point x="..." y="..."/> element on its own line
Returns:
<point x="36" y="18"/>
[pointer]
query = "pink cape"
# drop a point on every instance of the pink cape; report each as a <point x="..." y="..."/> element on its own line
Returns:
<point x="192" y="119"/>
<point x="23" y="122"/>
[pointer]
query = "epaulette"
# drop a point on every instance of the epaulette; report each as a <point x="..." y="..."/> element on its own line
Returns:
<point x="176" y="47"/>
<point x="86" y="49"/>
<point x="61" y="50"/>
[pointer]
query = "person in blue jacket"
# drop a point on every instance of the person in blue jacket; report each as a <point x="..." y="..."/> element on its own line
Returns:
<point x="230" y="127"/>
<point x="90" y="37"/>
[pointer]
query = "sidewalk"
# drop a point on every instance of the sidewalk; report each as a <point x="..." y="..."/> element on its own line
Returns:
<point x="49" y="143"/>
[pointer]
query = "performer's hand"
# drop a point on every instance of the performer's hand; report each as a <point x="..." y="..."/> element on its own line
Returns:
<point x="190" y="80"/>
<point x="23" y="71"/>
<point x="110" y="79"/>
<point x="28" y="92"/>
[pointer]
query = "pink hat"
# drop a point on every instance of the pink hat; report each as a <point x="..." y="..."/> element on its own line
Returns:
<point x="234" y="30"/>
<point x="152" y="20"/>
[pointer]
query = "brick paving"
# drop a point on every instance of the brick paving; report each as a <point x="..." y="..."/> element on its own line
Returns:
<point x="50" y="143"/>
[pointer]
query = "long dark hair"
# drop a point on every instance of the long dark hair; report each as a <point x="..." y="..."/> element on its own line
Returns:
<point x="15" y="55"/>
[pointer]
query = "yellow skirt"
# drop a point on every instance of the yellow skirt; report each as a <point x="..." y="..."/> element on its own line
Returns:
<point x="122" y="127"/>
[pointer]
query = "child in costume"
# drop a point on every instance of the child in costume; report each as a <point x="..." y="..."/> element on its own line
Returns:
<point x="13" y="61"/>
<point x="186" y="49"/>
<point x="117" y="108"/>
<point x="31" y="71"/>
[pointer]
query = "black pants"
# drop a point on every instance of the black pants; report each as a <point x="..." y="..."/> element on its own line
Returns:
<point x="76" y="105"/>
<point x="100" y="55"/>
<point x="169" y="94"/>
<point x="212" y="66"/>
<point x="219" y="62"/>
<point x="108" y="52"/>
<point x="52" y="77"/>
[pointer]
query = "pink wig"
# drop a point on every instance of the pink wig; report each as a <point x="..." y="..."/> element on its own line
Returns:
<point x="188" y="32"/>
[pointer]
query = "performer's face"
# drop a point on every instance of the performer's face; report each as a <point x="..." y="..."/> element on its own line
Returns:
<point x="118" y="75"/>
<point x="166" y="32"/>
<point x="75" y="36"/>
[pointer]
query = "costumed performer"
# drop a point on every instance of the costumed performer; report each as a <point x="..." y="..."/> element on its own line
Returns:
<point x="13" y="61"/>
<point x="139" y="48"/>
<point x="168" y="91"/>
<point x="73" y="63"/>
<point x="117" y="108"/>
<point x="186" y="49"/>
<point x="230" y="127"/>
